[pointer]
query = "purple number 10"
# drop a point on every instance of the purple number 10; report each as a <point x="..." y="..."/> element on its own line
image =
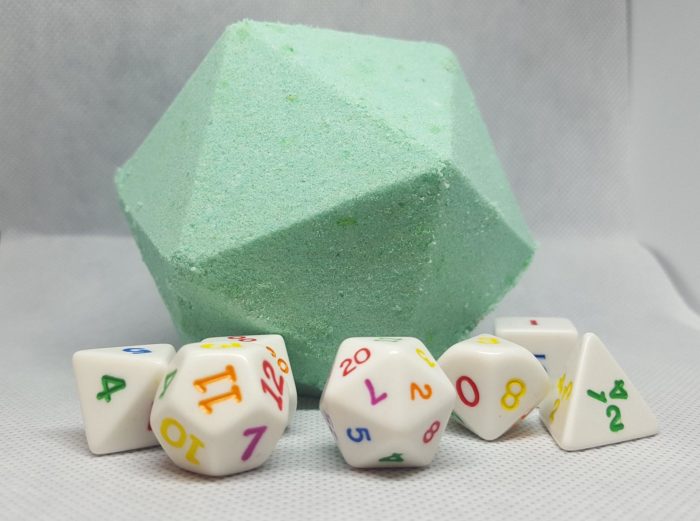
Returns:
<point x="257" y="433"/>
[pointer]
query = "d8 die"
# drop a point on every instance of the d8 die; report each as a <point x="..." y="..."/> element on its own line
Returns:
<point x="550" y="339"/>
<point x="221" y="408"/>
<point x="277" y="350"/>
<point x="386" y="402"/>
<point x="116" y="387"/>
<point x="497" y="383"/>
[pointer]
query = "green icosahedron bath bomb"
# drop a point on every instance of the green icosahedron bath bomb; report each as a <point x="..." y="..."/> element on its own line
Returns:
<point x="324" y="185"/>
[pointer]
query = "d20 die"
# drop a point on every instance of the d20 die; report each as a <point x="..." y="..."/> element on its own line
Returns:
<point x="277" y="349"/>
<point x="594" y="402"/>
<point x="220" y="408"/>
<point x="497" y="383"/>
<point x="116" y="387"/>
<point x="550" y="339"/>
<point x="386" y="402"/>
<point x="385" y="204"/>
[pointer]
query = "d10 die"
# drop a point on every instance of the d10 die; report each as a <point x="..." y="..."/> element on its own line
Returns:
<point x="386" y="402"/>
<point x="497" y="383"/>
<point x="277" y="350"/>
<point x="594" y="402"/>
<point x="220" y="408"/>
<point x="550" y="339"/>
<point x="116" y="387"/>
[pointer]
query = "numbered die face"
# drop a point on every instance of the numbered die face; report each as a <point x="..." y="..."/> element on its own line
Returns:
<point x="550" y="339"/>
<point x="116" y="387"/>
<point x="277" y="350"/>
<point x="220" y="409"/>
<point x="594" y="402"/>
<point x="387" y="402"/>
<point x="497" y="383"/>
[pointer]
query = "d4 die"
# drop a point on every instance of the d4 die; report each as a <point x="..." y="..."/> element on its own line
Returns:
<point x="594" y="402"/>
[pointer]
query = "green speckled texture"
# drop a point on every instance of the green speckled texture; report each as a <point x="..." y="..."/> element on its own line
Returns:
<point x="323" y="185"/>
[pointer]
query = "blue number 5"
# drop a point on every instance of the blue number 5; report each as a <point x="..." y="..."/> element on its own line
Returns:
<point x="362" y="434"/>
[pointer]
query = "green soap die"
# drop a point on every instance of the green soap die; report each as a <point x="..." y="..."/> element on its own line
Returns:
<point x="324" y="185"/>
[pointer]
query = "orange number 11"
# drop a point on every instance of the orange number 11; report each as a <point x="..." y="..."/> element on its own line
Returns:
<point x="201" y="386"/>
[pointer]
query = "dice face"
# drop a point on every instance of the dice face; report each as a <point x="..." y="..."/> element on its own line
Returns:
<point x="550" y="339"/>
<point x="277" y="350"/>
<point x="116" y="386"/>
<point x="594" y="402"/>
<point x="220" y="409"/>
<point x="497" y="383"/>
<point x="386" y="402"/>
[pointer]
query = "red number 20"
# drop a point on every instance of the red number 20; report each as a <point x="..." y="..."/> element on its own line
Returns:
<point x="346" y="364"/>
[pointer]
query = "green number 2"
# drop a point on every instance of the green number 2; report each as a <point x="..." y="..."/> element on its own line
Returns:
<point x="110" y="385"/>
<point x="616" y="422"/>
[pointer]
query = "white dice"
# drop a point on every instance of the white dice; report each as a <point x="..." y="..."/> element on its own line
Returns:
<point x="386" y="402"/>
<point x="594" y="402"/>
<point x="497" y="383"/>
<point x="277" y="350"/>
<point x="550" y="339"/>
<point x="116" y="386"/>
<point x="221" y="407"/>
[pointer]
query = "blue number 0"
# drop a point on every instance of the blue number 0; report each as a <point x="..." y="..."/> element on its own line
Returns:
<point x="136" y="350"/>
<point x="362" y="434"/>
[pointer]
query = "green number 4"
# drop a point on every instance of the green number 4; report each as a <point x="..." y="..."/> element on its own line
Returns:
<point x="110" y="385"/>
<point x="396" y="457"/>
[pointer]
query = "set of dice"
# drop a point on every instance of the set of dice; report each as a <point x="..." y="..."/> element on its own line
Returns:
<point x="220" y="406"/>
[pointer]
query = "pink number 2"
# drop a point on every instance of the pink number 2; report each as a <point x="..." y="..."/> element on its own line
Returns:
<point x="257" y="433"/>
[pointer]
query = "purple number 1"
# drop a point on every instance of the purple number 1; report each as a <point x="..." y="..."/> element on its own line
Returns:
<point x="257" y="433"/>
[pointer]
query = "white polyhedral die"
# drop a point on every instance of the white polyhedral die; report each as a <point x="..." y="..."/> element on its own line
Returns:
<point x="387" y="402"/>
<point x="116" y="386"/>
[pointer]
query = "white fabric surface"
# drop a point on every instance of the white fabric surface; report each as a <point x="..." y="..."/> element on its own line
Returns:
<point x="59" y="294"/>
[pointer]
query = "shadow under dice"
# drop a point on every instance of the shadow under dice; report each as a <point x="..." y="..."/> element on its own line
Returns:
<point x="116" y="387"/>
<point x="220" y="409"/>
<point x="277" y="351"/>
<point x="497" y="383"/>
<point x="387" y="402"/>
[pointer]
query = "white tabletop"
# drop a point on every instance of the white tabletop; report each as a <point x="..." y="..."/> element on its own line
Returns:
<point x="60" y="294"/>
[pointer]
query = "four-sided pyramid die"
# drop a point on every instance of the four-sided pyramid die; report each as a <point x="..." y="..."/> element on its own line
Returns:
<point x="319" y="185"/>
<point x="594" y="402"/>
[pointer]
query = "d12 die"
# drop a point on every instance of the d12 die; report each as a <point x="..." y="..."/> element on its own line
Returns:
<point x="386" y="402"/>
<point x="277" y="349"/>
<point x="550" y="339"/>
<point x="116" y="387"/>
<point x="220" y="408"/>
<point x="594" y="402"/>
<point x="497" y="383"/>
